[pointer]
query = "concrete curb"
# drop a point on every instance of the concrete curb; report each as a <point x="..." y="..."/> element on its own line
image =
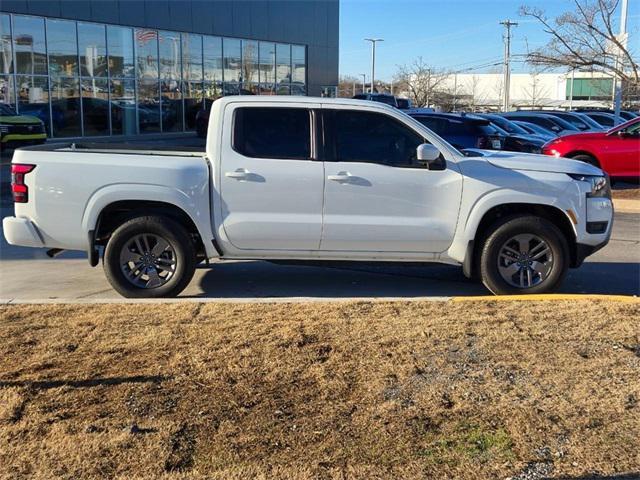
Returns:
<point x="113" y="301"/>
<point x="626" y="205"/>
<point x="483" y="298"/>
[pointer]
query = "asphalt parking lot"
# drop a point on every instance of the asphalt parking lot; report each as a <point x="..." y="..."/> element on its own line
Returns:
<point x="28" y="274"/>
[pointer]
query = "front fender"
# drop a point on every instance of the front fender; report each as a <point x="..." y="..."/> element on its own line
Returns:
<point x="194" y="207"/>
<point x="467" y="231"/>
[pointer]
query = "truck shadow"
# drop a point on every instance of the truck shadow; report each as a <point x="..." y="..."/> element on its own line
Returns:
<point x="256" y="279"/>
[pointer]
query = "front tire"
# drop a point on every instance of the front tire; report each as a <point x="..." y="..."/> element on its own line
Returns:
<point x="149" y="257"/>
<point x="523" y="255"/>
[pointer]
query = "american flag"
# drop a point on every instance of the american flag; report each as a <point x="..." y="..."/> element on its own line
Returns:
<point x="143" y="36"/>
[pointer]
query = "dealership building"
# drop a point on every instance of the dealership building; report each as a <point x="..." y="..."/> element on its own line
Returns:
<point x="128" y="67"/>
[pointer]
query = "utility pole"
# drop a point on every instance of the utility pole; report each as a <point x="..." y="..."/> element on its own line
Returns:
<point x="622" y="37"/>
<point x="455" y="90"/>
<point x="364" y="77"/>
<point x="507" y="57"/>
<point x="373" y="58"/>
<point x="428" y="87"/>
<point x="573" y="79"/>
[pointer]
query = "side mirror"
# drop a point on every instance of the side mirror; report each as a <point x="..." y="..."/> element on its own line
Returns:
<point x="430" y="156"/>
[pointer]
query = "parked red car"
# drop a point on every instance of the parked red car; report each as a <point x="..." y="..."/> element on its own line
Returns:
<point x="616" y="151"/>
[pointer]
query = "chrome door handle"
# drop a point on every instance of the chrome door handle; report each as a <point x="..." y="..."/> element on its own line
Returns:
<point x="340" y="177"/>
<point x="239" y="174"/>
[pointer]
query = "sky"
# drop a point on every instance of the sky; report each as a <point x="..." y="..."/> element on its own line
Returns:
<point x="450" y="34"/>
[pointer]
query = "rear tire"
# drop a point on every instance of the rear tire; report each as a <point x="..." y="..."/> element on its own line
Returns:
<point x="149" y="257"/>
<point x="523" y="255"/>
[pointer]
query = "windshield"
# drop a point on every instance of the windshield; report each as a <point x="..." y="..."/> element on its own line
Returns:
<point x="563" y="124"/>
<point x="573" y="120"/>
<point x="388" y="99"/>
<point x="506" y="125"/>
<point x="589" y="121"/>
<point x="7" y="111"/>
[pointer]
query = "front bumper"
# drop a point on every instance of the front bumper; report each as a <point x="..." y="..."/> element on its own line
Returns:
<point x="21" y="231"/>
<point x="583" y="251"/>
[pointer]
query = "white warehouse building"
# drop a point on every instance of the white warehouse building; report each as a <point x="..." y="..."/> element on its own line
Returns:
<point x="531" y="90"/>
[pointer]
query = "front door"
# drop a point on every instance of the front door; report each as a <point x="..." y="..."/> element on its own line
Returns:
<point x="623" y="152"/>
<point x="272" y="188"/>
<point x="378" y="197"/>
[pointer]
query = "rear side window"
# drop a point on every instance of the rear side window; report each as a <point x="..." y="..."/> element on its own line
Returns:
<point x="272" y="132"/>
<point x="375" y="138"/>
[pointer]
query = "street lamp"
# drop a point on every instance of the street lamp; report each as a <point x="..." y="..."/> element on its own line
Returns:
<point x="373" y="58"/>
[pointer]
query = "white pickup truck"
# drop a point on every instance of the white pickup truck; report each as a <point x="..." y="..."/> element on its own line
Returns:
<point x="310" y="179"/>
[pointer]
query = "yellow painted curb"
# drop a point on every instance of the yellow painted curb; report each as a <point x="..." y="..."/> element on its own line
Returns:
<point x="547" y="297"/>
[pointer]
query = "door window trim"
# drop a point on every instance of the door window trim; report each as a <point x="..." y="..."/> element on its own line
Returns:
<point x="313" y="133"/>
<point x="330" y="145"/>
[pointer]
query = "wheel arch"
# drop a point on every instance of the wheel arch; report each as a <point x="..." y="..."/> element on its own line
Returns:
<point x="118" y="203"/>
<point x="549" y="212"/>
<point x="575" y="153"/>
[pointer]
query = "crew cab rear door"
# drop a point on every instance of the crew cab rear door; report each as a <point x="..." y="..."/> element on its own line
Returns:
<point x="271" y="184"/>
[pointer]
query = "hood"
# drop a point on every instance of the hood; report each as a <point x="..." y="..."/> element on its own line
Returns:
<point x="19" y="120"/>
<point x="540" y="163"/>
<point x="584" y="136"/>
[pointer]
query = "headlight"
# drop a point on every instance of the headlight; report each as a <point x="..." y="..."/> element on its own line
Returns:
<point x="599" y="184"/>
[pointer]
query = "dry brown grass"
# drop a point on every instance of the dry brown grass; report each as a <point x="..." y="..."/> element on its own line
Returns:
<point x="628" y="192"/>
<point x="299" y="391"/>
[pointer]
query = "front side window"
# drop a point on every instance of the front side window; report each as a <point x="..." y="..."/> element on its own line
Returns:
<point x="375" y="138"/>
<point x="272" y="132"/>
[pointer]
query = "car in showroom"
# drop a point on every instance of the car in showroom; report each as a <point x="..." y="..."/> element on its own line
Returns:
<point x="19" y="130"/>
<point x="616" y="151"/>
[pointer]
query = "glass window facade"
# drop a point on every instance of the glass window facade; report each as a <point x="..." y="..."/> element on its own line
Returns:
<point x="91" y="79"/>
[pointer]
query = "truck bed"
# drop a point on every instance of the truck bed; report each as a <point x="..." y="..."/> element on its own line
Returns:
<point x="120" y="148"/>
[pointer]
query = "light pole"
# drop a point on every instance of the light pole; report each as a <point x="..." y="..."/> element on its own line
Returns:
<point x="364" y="77"/>
<point x="373" y="58"/>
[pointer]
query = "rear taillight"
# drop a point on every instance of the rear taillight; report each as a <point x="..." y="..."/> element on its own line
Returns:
<point x="18" y="188"/>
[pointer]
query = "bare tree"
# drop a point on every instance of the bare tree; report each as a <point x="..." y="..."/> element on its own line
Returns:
<point x="535" y="92"/>
<point x="475" y="96"/>
<point x="498" y="86"/>
<point x="584" y="38"/>
<point x="421" y="81"/>
<point x="348" y="86"/>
